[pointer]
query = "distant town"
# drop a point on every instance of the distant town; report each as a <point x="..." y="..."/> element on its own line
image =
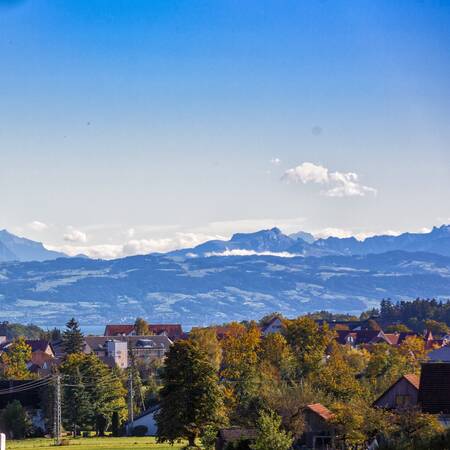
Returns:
<point x="317" y="381"/>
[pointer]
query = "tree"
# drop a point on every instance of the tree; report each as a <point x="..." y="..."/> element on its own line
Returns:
<point x="275" y="351"/>
<point x="141" y="327"/>
<point x="206" y="339"/>
<point x="16" y="420"/>
<point x="336" y="377"/>
<point x="397" y="328"/>
<point x="308" y="342"/>
<point x="15" y="359"/>
<point x="240" y="372"/>
<point x="93" y="393"/>
<point x="270" y="434"/>
<point x="73" y="339"/>
<point x="190" y="398"/>
<point x="437" y="328"/>
<point x="349" y="421"/>
<point x="411" y="430"/>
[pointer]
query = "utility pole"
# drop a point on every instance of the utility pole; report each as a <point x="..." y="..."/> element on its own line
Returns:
<point x="57" y="411"/>
<point x="130" y="399"/>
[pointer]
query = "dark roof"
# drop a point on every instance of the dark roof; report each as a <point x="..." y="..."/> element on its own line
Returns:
<point x="360" y="336"/>
<point x="235" y="434"/>
<point x="320" y="410"/>
<point x="434" y="391"/>
<point x="97" y="343"/>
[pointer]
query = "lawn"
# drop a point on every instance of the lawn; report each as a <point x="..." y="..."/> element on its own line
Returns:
<point x="92" y="443"/>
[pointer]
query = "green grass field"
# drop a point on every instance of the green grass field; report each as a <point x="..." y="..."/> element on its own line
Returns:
<point x="106" y="443"/>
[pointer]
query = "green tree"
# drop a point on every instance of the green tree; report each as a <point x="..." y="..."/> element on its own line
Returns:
<point x="73" y="339"/>
<point x="308" y="342"/>
<point x="93" y="393"/>
<point x="397" y="328"/>
<point x="206" y="339"/>
<point x="16" y="420"/>
<point x="437" y="328"/>
<point x="141" y="327"/>
<point x="15" y="359"/>
<point x="190" y="398"/>
<point x="271" y="436"/>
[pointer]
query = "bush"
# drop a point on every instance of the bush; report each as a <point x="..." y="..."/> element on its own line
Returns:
<point x="140" y="430"/>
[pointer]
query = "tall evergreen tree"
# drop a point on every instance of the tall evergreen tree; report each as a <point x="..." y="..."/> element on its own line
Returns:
<point x="191" y="399"/>
<point x="73" y="338"/>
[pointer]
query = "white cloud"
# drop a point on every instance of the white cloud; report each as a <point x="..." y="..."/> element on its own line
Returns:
<point x="338" y="184"/>
<point x="74" y="235"/>
<point x="275" y="161"/>
<point x="38" y="226"/>
<point x="131" y="247"/>
<point x="241" y="252"/>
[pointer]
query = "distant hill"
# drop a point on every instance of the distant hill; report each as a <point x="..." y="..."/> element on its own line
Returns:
<point x="14" y="248"/>
<point x="250" y="275"/>
<point x="303" y="244"/>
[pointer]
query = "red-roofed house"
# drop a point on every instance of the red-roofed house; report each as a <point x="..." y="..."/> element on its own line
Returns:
<point x="173" y="331"/>
<point x="319" y="431"/>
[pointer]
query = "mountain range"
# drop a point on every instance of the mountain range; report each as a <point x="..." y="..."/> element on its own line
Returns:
<point x="15" y="248"/>
<point x="246" y="277"/>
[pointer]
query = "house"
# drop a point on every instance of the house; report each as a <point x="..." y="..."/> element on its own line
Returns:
<point x="319" y="431"/>
<point x="43" y="357"/>
<point x="403" y="393"/>
<point x="146" y="419"/>
<point x="275" y="325"/>
<point x="434" y="392"/>
<point x="227" y="436"/>
<point x="115" y="351"/>
<point x="173" y="331"/>
<point x="361" y="337"/>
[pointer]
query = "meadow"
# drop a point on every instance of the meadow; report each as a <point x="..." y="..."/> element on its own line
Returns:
<point x="94" y="443"/>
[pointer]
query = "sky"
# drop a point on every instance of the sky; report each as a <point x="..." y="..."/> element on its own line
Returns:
<point x="130" y="127"/>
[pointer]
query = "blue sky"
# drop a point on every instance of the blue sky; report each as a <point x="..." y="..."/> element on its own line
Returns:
<point x="146" y="125"/>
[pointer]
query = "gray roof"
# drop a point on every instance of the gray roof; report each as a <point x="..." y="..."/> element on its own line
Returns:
<point x="440" y="354"/>
<point x="95" y="343"/>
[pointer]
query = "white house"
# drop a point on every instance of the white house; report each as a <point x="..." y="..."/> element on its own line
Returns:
<point x="147" y="419"/>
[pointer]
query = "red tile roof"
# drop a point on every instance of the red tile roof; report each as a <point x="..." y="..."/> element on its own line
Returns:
<point x="320" y="410"/>
<point x="413" y="379"/>
<point x="116" y="330"/>
<point x="173" y="331"/>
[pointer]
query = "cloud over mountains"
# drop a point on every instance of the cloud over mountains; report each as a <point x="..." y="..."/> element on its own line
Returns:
<point x="336" y="184"/>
